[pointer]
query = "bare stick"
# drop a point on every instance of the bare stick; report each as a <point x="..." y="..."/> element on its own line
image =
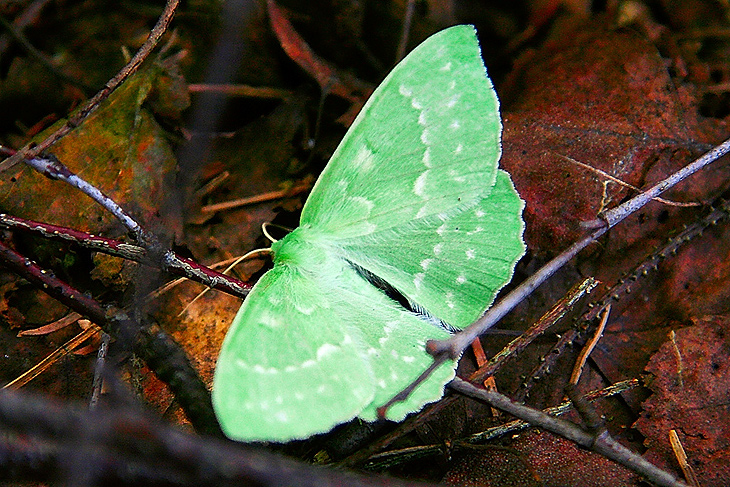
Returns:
<point x="123" y="446"/>
<point x="586" y="352"/>
<point x="455" y="345"/>
<point x="623" y="287"/>
<point x="52" y="358"/>
<point x="395" y="457"/>
<point x="546" y="321"/>
<point x="602" y="443"/>
<point x="161" y="353"/>
<point x="259" y="198"/>
<point x="52" y="168"/>
<point x="99" y="370"/>
<point x="170" y="261"/>
<point x="31" y="151"/>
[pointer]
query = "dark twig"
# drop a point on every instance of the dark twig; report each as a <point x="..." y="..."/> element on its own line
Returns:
<point x="547" y="320"/>
<point x="124" y="447"/>
<point x="52" y="168"/>
<point x="405" y="33"/>
<point x="99" y="370"/>
<point x="161" y="353"/>
<point x="32" y="151"/>
<point x="170" y="261"/>
<point x="562" y="408"/>
<point x="41" y="57"/>
<point x="394" y="457"/>
<point x="455" y="345"/>
<point x="23" y="20"/>
<point x="602" y="443"/>
<point x="623" y="287"/>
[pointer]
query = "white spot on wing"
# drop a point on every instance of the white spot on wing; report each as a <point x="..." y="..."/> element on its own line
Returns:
<point x="369" y="205"/>
<point x="471" y="253"/>
<point x="458" y="149"/>
<point x="424" y="137"/>
<point x="418" y="280"/>
<point x="260" y="369"/>
<point x="425" y="263"/>
<point x="479" y="213"/>
<point x="455" y="125"/>
<point x="422" y="118"/>
<point x="440" y="230"/>
<point x="307" y="310"/>
<point x="452" y="84"/>
<point x="364" y="159"/>
<point x="405" y="91"/>
<point x="446" y="67"/>
<point x="408" y="359"/>
<point x="308" y="363"/>
<point x="282" y="417"/>
<point x="476" y="230"/>
<point x="427" y="157"/>
<point x="450" y="299"/>
<point x="438" y="248"/>
<point x="416" y="105"/>
<point x="326" y="350"/>
<point x="460" y="280"/>
<point x="420" y="184"/>
<point x="452" y="101"/>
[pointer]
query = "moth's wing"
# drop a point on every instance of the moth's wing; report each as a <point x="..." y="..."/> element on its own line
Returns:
<point x="289" y="368"/>
<point x="453" y="267"/>
<point x="426" y="143"/>
<point x="393" y="342"/>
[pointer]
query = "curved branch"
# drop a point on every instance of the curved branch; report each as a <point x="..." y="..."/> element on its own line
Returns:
<point x="32" y="150"/>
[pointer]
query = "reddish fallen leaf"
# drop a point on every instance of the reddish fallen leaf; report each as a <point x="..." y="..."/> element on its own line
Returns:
<point x="329" y="79"/>
<point x="604" y="98"/>
<point x="120" y="148"/>
<point x="537" y="458"/>
<point x="691" y="390"/>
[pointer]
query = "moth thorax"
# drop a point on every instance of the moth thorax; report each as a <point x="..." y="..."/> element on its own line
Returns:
<point x="299" y="248"/>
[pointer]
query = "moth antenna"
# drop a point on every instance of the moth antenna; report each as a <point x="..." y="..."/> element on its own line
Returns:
<point x="266" y="225"/>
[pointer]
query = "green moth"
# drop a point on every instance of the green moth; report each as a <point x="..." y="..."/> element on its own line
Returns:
<point x="412" y="197"/>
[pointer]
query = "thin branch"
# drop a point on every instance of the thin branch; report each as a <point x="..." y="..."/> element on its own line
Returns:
<point x="161" y="353"/>
<point x="52" y="168"/>
<point x="241" y="90"/>
<point x="170" y="262"/>
<point x="32" y="150"/>
<point x="125" y="447"/>
<point x="259" y="198"/>
<point x="455" y="345"/>
<point x="623" y="287"/>
<point x="395" y="457"/>
<point x="588" y="348"/>
<point x="52" y="358"/>
<point x="518" y="425"/>
<point x="603" y="443"/>
<point x="565" y="304"/>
